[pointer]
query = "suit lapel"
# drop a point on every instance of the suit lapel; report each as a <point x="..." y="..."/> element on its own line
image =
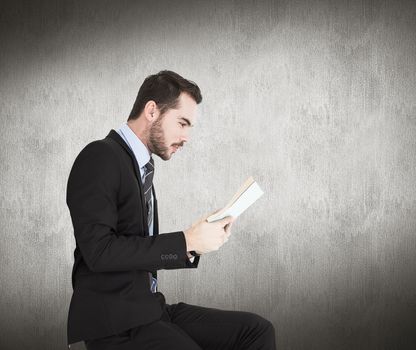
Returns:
<point x="116" y="137"/>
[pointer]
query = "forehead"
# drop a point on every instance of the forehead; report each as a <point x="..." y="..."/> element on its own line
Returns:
<point x="187" y="107"/>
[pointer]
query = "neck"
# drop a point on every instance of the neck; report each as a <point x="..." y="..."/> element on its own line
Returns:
<point x="139" y="128"/>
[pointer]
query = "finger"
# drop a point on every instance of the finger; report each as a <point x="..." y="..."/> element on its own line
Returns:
<point x="227" y="220"/>
<point x="207" y="216"/>
<point x="224" y="238"/>
<point x="202" y="219"/>
<point x="228" y="229"/>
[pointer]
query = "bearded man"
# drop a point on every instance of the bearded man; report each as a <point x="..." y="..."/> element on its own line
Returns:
<point x="116" y="303"/>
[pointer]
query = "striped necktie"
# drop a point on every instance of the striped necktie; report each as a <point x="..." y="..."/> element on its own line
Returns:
<point x="148" y="181"/>
<point x="147" y="187"/>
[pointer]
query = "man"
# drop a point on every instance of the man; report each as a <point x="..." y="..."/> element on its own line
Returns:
<point x="116" y="303"/>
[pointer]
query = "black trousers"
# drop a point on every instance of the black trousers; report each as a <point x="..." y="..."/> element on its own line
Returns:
<point x="189" y="327"/>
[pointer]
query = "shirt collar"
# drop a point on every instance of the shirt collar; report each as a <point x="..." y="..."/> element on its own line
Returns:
<point x="140" y="151"/>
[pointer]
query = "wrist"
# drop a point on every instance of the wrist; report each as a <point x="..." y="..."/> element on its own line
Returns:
<point x="188" y="240"/>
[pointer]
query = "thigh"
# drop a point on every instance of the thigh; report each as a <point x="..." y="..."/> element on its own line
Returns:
<point x="221" y="329"/>
<point x="154" y="336"/>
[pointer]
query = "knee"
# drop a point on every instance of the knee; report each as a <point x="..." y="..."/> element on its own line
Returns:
<point x="259" y="323"/>
<point x="259" y="333"/>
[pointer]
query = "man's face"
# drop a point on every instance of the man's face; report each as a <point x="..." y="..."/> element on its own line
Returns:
<point x="171" y="130"/>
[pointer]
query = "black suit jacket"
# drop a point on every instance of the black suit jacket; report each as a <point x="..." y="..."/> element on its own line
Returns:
<point x="114" y="252"/>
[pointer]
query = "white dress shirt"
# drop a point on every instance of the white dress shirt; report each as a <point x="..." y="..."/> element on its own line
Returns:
<point x="141" y="153"/>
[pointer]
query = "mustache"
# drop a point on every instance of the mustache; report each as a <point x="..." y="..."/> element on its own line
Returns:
<point x="178" y="144"/>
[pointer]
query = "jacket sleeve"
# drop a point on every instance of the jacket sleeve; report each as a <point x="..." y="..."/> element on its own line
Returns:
<point x="92" y="199"/>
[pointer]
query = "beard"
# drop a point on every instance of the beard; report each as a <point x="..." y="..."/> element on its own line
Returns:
<point x="157" y="140"/>
<point x="157" y="144"/>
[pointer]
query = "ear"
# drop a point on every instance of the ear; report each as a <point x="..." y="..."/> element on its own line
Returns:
<point x="151" y="111"/>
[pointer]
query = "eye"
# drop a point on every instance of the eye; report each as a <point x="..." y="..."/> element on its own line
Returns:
<point x="182" y="125"/>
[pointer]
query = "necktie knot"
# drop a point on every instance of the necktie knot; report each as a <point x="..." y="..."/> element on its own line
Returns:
<point x="150" y="165"/>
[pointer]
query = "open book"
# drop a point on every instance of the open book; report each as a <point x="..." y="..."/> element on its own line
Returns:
<point x="248" y="193"/>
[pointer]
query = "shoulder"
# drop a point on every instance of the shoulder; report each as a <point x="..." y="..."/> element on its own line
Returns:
<point x="97" y="159"/>
<point x="98" y="151"/>
<point x="95" y="171"/>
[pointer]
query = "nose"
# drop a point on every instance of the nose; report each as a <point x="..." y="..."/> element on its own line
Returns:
<point x="185" y="136"/>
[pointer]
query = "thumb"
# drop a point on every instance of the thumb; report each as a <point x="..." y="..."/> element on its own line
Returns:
<point x="227" y="220"/>
<point x="204" y="218"/>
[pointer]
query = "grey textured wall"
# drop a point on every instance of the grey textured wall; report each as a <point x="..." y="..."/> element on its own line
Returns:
<point x="315" y="99"/>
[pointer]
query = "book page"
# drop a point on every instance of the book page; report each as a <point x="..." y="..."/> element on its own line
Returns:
<point x="242" y="201"/>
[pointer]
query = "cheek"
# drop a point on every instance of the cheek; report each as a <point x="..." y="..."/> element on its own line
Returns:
<point x="170" y="135"/>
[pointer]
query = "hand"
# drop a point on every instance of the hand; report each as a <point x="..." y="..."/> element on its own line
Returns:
<point x="204" y="237"/>
<point x="228" y="230"/>
<point x="227" y="227"/>
<point x="205" y="217"/>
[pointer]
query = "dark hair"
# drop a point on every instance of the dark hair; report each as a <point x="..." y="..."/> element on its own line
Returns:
<point x="164" y="88"/>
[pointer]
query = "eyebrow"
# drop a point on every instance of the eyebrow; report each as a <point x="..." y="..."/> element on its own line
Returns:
<point x="186" y="120"/>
